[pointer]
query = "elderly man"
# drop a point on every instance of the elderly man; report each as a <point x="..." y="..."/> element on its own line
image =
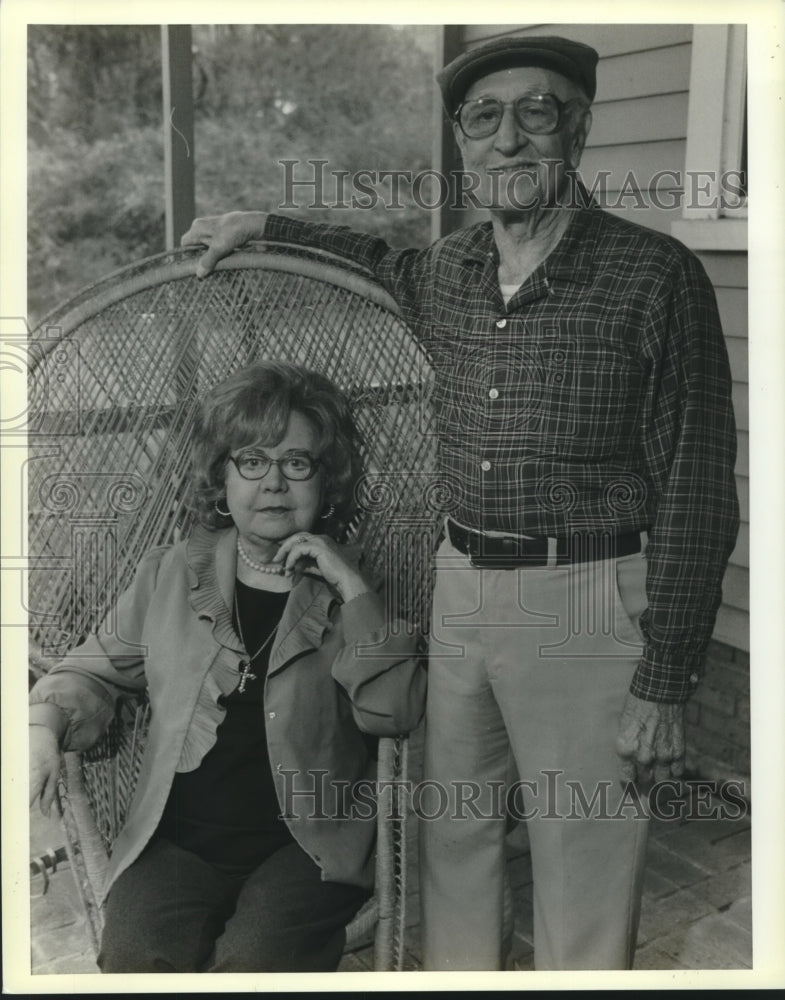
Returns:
<point x="586" y="431"/>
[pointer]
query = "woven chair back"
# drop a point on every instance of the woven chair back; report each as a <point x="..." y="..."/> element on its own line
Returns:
<point x="115" y="380"/>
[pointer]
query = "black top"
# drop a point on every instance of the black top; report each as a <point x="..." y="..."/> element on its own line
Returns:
<point x="227" y="810"/>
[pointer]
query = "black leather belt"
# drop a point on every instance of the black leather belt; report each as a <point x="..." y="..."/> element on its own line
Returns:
<point x="510" y="551"/>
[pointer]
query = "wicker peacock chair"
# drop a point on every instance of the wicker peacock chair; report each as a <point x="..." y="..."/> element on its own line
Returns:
<point x="115" y="377"/>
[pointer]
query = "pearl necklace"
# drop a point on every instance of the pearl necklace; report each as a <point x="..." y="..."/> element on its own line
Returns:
<point x="275" y="568"/>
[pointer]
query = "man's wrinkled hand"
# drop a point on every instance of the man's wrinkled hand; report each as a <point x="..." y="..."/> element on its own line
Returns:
<point x="222" y="234"/>
<point x="651" y="741"/>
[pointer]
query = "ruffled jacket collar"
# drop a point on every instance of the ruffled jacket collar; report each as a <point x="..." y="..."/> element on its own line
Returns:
<point x="212" y="563"/>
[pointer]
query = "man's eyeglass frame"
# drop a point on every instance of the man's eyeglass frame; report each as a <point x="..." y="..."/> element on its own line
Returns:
<point x="561" y="107"/>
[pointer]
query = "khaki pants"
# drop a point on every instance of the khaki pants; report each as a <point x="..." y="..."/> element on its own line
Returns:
<point x="535" y="663"/>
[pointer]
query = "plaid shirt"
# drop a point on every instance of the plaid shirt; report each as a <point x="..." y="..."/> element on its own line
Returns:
<point x="598" y="398"/>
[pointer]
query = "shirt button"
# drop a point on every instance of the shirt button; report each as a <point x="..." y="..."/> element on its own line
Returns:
<point x="693" y="678"/>
<point x="279" y="767"/>
<point x="271" y="715"/>
<point x="485" y="466"/>
<point x="493" y="393"/>
<point x="501" y="323"/>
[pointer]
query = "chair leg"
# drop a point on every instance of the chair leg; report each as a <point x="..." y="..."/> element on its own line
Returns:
<point x="76" y="859"/>
<point x="391" y="855"/>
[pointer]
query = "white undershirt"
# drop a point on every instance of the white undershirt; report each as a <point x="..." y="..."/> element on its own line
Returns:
<point x="508" y="291"/>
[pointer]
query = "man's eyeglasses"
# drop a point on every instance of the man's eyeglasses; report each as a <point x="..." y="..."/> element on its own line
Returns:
<point x="539" y="114"/>
<point x="298" y="465"/>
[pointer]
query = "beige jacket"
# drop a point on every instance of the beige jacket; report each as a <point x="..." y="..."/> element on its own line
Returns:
<point x="336" y="672"/>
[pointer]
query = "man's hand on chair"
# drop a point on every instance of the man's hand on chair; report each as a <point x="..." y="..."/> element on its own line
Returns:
<point x="222" y="234"/>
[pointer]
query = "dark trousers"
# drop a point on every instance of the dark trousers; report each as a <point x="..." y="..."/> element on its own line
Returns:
<point x="172" y="912"/>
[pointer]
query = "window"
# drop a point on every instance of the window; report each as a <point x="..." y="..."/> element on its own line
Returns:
<point x="714" y="216"/>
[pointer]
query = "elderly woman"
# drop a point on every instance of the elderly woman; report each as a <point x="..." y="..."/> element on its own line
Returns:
<point x="268" y="659"/>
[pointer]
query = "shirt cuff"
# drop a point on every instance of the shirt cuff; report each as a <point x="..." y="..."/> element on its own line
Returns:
<point x="280" y="227"/>
<point x="659" y="679"/>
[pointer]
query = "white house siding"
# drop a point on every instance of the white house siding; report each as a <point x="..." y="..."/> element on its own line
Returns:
<point x="640" y="129"/>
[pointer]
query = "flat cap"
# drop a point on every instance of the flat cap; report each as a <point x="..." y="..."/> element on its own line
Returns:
<point x="576" y="61"/>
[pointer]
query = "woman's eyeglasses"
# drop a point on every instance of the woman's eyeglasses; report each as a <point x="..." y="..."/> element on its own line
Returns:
<point x="298" y="465"/>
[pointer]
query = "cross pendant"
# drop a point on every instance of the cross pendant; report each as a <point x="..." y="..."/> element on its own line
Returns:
<point x="246" y="675"/>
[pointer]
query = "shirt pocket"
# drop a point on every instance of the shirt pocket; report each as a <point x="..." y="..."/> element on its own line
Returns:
<point x="591" y="394"/>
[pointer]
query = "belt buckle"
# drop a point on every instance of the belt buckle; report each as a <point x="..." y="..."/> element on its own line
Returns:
<point x="512" y="555"/>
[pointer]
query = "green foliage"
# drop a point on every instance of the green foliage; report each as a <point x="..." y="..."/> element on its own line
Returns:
<point x="359" y="96"/>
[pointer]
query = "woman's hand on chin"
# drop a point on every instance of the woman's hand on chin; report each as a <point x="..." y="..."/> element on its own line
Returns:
<point x="302" y="550"/>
